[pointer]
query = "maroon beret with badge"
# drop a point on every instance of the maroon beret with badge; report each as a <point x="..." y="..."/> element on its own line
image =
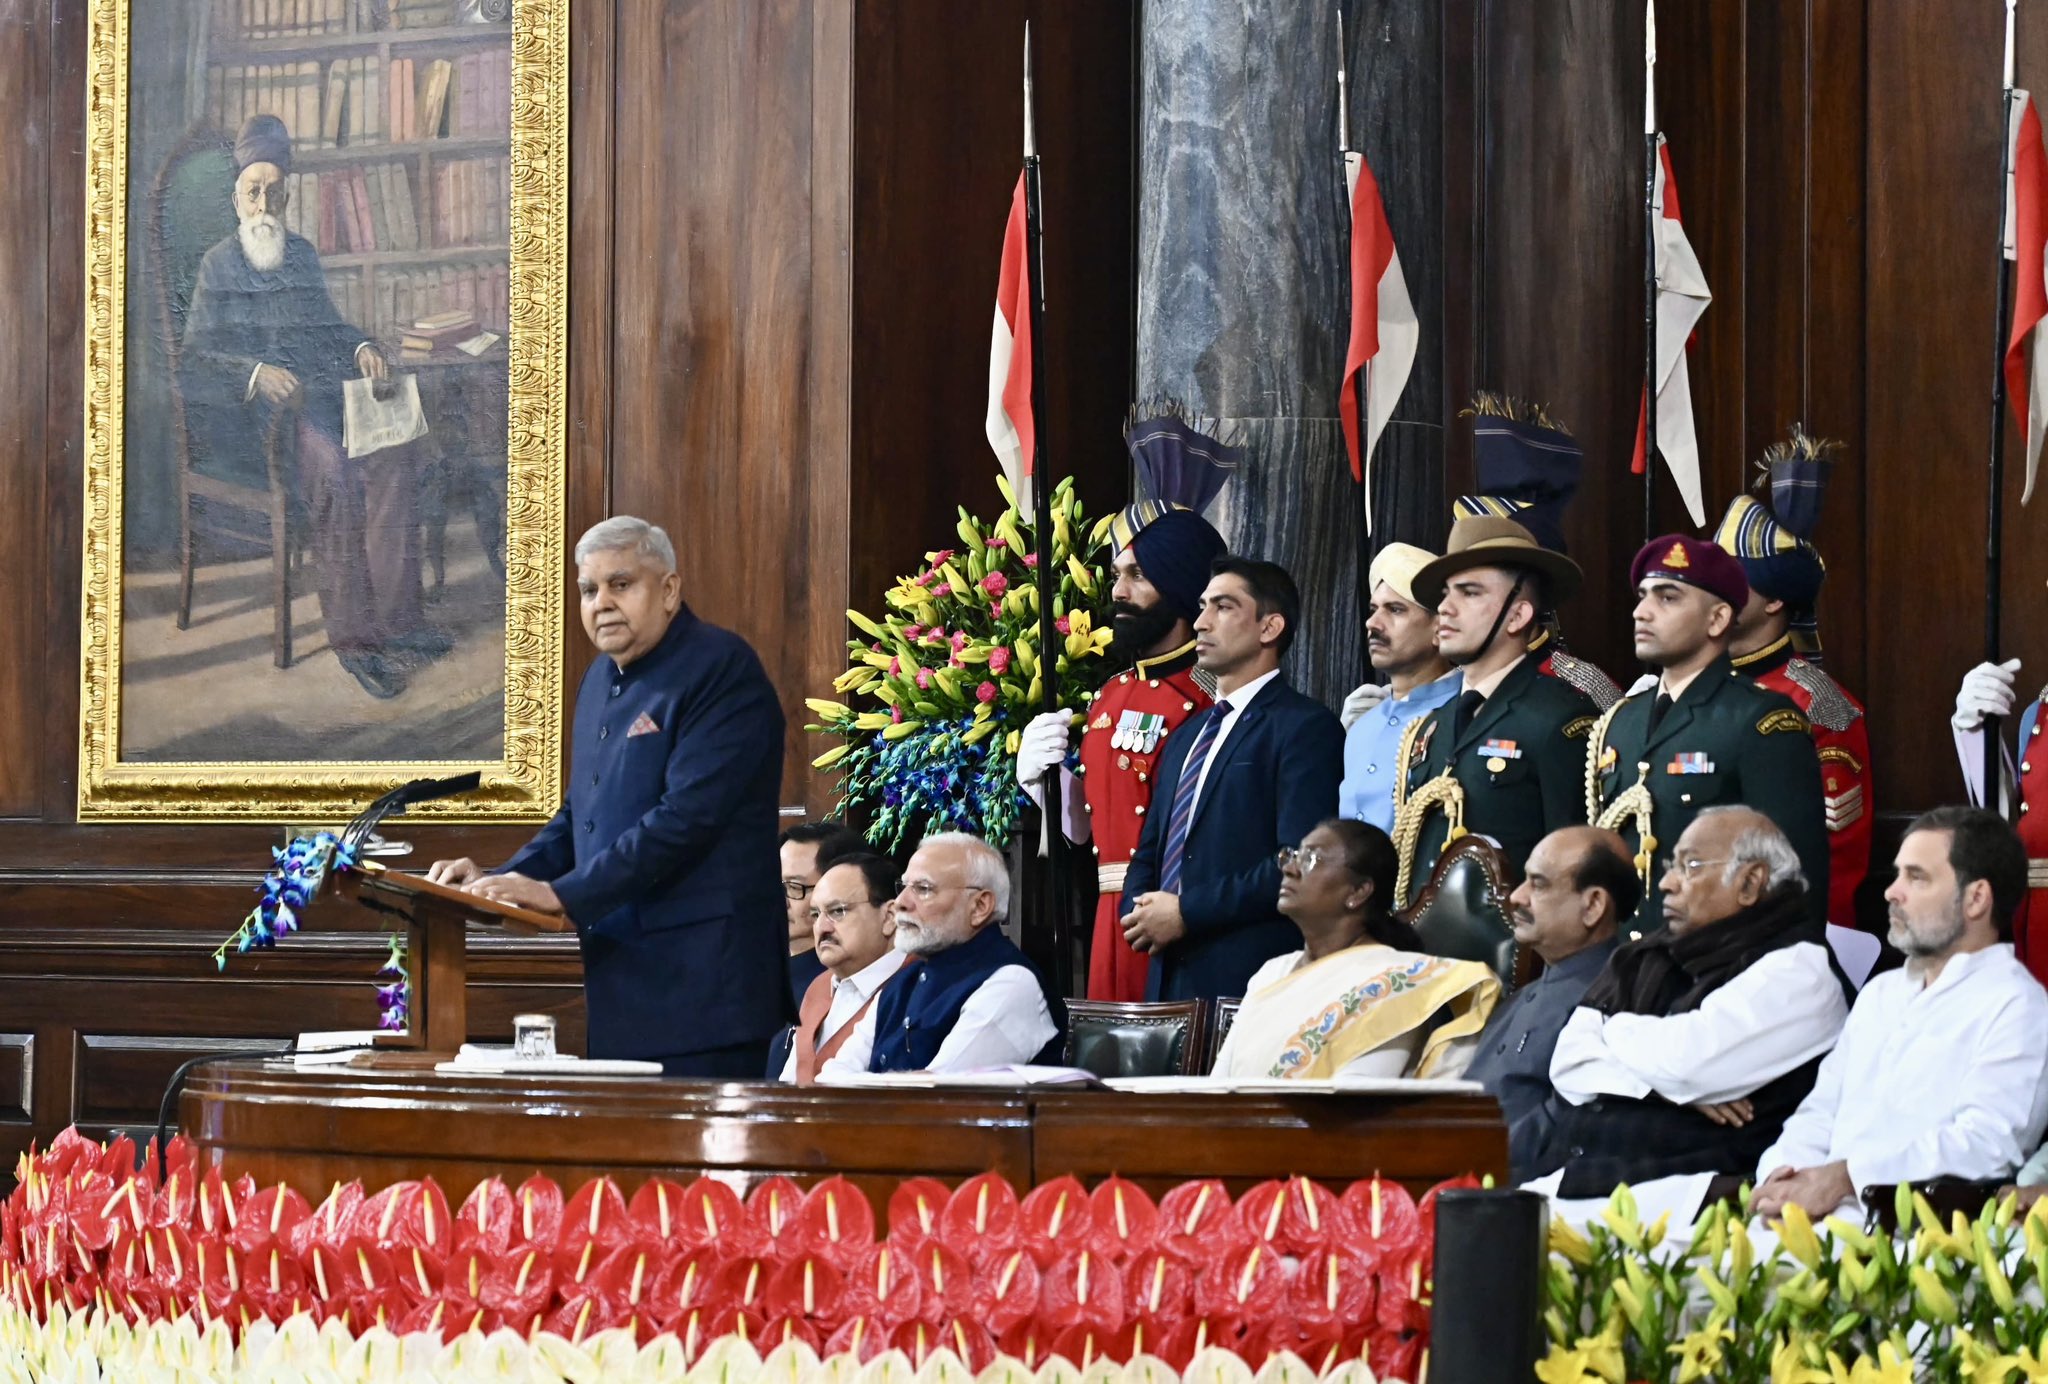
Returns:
<point x="1694" y="561"/>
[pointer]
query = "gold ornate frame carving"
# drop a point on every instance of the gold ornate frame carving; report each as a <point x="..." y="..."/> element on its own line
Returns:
<point x="526" y="783"/>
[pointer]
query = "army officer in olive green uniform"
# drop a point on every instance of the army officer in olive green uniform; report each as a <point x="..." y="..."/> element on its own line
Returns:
<point x="1703" y="736"/>
<point x="1505" y="756"/>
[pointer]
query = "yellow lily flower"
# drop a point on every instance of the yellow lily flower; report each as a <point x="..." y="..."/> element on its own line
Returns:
<point x="901" y="729"/>
<point x="1566" y="1240"/>
<point x="1700" y="1354"/>
<point x="831" y="757"/>
<point x="831" y="711"/>
<point x="1795" y="1232"/>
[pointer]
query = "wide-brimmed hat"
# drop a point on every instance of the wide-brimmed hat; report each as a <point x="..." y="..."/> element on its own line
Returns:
<point x="1487" y="540"/>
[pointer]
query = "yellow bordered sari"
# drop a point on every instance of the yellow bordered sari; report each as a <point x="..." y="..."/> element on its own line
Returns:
<point x="1320" y="1018"/>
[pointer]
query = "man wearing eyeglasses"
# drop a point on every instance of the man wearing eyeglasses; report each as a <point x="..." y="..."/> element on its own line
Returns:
<point x="1703" y="736"/>
<point x="966" y="997"/>
<point x="808" y="849"/>
<point x="854" y="924"/>
<point x="1698" y="1041"/>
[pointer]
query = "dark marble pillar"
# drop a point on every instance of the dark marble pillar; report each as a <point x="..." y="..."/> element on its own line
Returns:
<point x="1242" y="277"/>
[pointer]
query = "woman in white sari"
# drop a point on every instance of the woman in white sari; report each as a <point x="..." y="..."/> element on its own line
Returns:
<point x="1361" y="998"/>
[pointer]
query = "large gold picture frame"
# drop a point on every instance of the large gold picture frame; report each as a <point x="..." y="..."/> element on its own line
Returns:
<point x="523" y="781"/>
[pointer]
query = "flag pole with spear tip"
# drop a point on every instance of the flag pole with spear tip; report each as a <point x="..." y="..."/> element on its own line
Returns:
<point x="1348" y="159"/>
<point x="1041" y="503"/>
<point x="1649" y="270"/>
<point x="1994" y="536"/>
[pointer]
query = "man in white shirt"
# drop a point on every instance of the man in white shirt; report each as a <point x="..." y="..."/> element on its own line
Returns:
<point x="966" y="997"/>
<point x="1942" y="1069"/>
<point x="1699" y="1040"/>
<point x="853" y="924"/>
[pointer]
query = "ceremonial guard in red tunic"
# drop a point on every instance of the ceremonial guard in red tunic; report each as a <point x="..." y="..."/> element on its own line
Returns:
<point x="1777" y="643"/>
<point x="1987" y="690"/>
<point x="1162" y="555"/>
<point x="1526" y="467"/>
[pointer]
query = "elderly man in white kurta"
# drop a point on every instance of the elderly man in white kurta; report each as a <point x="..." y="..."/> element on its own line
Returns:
<point x="1942" y="1069"/>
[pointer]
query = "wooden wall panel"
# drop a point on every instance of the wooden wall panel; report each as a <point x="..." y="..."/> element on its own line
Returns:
<point x="24" y="225"/>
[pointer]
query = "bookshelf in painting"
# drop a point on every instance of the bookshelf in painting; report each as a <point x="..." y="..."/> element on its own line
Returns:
<point x="400" y="115"/>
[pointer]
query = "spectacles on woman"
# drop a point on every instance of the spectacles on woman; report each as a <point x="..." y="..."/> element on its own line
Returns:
<point x="1308" y="857"/>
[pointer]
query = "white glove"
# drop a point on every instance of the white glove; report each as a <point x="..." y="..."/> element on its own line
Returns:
<point x="1986" y="691"/>
<point x="1646" y="683"/>
<point x="1363" y="699"/>
<point x="1043" y="746"/>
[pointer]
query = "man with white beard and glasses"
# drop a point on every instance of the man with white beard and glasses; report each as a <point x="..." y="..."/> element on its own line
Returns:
<point x="966" y="997"/>
<point x="264" y="347"/>
<point x="1942" y="1068"/>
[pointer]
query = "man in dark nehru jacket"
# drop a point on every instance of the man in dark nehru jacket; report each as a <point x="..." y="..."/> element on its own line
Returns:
<point x="263" y="336"/>
<point x="1505" y="756"/>
<point x="1704" y="736"/>
<point x="664" y="855"/>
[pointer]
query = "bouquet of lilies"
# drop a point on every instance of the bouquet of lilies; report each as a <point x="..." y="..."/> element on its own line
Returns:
<point x="939" y="687"/>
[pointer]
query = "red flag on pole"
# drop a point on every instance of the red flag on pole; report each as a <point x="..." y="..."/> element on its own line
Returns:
<point x="1009" y="423"/>
<point x="1384" y="329"/>
<point x="1682" y="297"/>
<point x="2026" y="242"/>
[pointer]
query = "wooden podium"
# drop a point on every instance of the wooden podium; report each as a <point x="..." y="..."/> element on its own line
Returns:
<point x="437" y="919"/>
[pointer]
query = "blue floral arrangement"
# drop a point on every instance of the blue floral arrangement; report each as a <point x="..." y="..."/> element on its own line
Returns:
<point x="298" y="872"/>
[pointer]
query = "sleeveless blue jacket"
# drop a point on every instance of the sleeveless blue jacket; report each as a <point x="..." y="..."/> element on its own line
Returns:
<point x="922" y="1002"/>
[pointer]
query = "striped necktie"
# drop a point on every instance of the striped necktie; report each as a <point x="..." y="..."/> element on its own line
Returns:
<point x="1184" y="798"/>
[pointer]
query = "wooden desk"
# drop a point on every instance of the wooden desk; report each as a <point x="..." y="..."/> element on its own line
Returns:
<point x="312" y="1128"/>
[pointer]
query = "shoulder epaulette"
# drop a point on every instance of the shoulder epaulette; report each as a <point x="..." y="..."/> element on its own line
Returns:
<point x="1830" y="708"/>
<point x="1602" y="690"/>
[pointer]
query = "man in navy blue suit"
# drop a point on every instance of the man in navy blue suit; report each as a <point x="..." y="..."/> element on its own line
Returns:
<point x="1236" y="782"/>
<point x="664" y="855"/>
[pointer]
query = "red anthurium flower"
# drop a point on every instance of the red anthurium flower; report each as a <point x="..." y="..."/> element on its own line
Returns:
<point x="332" y="1222"/>
<point x="981" y="1218"/>
<point x="629" y="1277"/>
<point x="700" y="1327"/>
<point x="713" y="1215"/>
<point x="656" y="1213"/>
<point x="596" y="1213"/>
<point x="947" y="1280"/>
<point x="117" y="1160"/>
<point x="783" y="1330"/>
<point x="464" y="1275"/>
<point x="327" y="1273"/>
<point x="1322" y="1348"/>
<point x="583" y="1316"/>
<point x="1083" y="1289"/>
<point x="885" y="1285"/>
<point x="1029" y="1341"/>
<point x="67" y="1151"/>
<point x="1198" y="1223"/>
<point x="93" y="1207"/>
<point x="1126" y="1220"/>
<point x="270" y="1217"/>
<point x="744" y="1283"/>
<point x="520" y="1286"/>
<point x="1084" y="1345"/>
<point x="1385" y="1217"/>
<point x="1401" y="1305"/>
<point x="1396" y="1359"/>
<point x="485" y="1220"/>
<point x="396" y="1216"/>
<point x="1246" y="1285"/>
<point x="128" y="1262"/>
<point x="1056" y="1219"/>
<point x="172" y="1263"/>
<point x="1183" y="1342"/>
<point x="138" y="1303"/>
<point x="915" y="1207"/>
<point x="838" y="1223"/>
<point x="687" y="1284"/>
<point x="438" y="1317"/>
<point x="273" y="1282"/>
<point x="419" y="1271"/>
<point x="1159" y="1288"/>
<point x="807" y="1288"/>
<point x="220" y="1277"/>
<point x="1333" y="1286"/>
<point x="862" y="1337"/>
<point x="1006" y="1291"/>
<point x="1426" y="1211"/>
<point x="536" y="1214"/>
<point x="775" y="1214"/>
<point x="968" y="1340"/>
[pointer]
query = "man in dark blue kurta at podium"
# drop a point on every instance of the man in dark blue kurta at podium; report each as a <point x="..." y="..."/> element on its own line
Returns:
<point x="664" y="854"/>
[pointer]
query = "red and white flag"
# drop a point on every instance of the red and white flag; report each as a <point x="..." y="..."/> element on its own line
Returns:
<point x="1682" y="296"/>
<point x="1009" y="424"/>
<point x="1384" y="329"/>
<point x="2026" y="241"/>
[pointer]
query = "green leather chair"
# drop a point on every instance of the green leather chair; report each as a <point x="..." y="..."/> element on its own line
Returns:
<point x="1112" y="1039"/>
<point x="1463" y="911"/>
